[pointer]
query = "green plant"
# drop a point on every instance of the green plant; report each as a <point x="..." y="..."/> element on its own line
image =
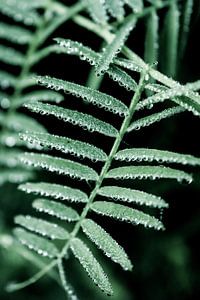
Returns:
<point x="151" y="88"/>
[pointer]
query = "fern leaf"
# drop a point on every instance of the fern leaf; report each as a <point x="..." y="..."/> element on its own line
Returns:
<point x="170" y="40"/>
<point x="15" y="34"/>
<point x="106" y="243"/>
<point x="4" y="100"/>
<point x="97" y="10"/>
<point x="55" y="191"/>
<point x="151" y="39"/>
<point x="157" y="117"/>
<point x="83" y="120"/>
<point x="44" y="228"/>
<point x="125" y="213"/>
<point x="6" y="80"/>
<point x="19" y="122"/>
<point x="148" y="172"/>
<point x="115" y="46"/>
<point x="19" y="13"/>
<point x="115" y="8"/>
<point x="41" y="95"/>
<point x="136" y="5"/>
<point x="132" y="196"/>
<point x="15" y="176"/>
<point x="9" y="157"/>
<point x="91" y="265"/>
<point x="187" y="14"/>
<point x="10" y="56"/>
<point x="39" y="244"/>
<point x="85" y="53"/>
<point x="163" y="95"/>
<point x="90" y="95"/>
<point x="59" y="165"/>
<point x="65" y="145"/>
<point x="142" y="154"/>
<point x="56" y="209"/>
<point x="10" y="139"/>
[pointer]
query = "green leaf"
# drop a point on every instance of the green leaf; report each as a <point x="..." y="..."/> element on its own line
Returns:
<point x="19" y="122"/>
<point x="97" y="11"/>
<point x="65" y="145"/>
<point x="132" y="196"/>
<point x="151" y="39"/>
<point x="170" y="40"/>
<point x="127" y="214"/>
<point x="89" y="95"/>
<point x="142" y="154"/>
<point x="6" y="80"/>
<point x="10" y="56"/>
<point x="115" y="46"/>
<point x="115" y="8"/>
<point x="185" y="28"/>
<point x="136" y="5"/>
<point x="15" y="176"/>
<point x="55" y="191"/>
<point x="106" y="243"/>
<point x="83" y="120"/>
<point x="56" y="209"/>
<point x="85" y="53"/>
<point x="39" y="244"/>
<point x="20" y="13"/>
<point x="157" y="117"/>
<point x="40" y="95"/>
<point x="91" y="265"/>
<point x="10" y="157"/>
<point x="15" y="34"/>
<point x="59" y="165"/>
<point x="51" y="230"/>
<point x="148" y="172"/>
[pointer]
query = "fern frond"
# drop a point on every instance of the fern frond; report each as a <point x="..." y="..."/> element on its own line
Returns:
<point x="9" y="157"/>
<point x="15" y="34"/>
<point x="106" y="243"/>
<point x="83" y="120"/>
<point x="132" y="196"/>
<point x="180" y="95"/>
<point x="10" y="56"/>
<point x="20" y="13"/>
<point x="142" y="154"/>
<point x="148" y="172"/>
<point x="34" y="242"/>
<point x="89" y="95"/>
<point x="19" y="122"/>
<point x="115" y="8"/>
<point x="65" y="145"/>
<point x="136" y="5"/>
<point x="85" y="53"/>
<point x="151" y="39"/>
<point x="44" y="228"/>
<point x="187" y="14"/>
<point x="56" y="209"/>
<point x="170" y="39"/>
<point x="97" y="10"/>
<point x="55" y="191"/>
<point x="127" y="214"/>
<point x="91" y="265"/>
<point x="40" y="95"/>
<point x="6" y="80"/>
<point x="15" y="176"/>
<point x="157" y="117"/>
<point x="59" y="165"/>
<point x="115" y="46"/>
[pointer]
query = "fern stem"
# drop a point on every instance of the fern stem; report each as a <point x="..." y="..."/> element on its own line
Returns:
<point x="108" y="163"/>
<point x="18" y="286"/>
